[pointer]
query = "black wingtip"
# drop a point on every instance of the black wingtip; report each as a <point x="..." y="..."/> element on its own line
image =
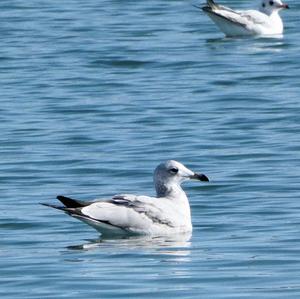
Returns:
<point x="70" y="202"/>
<point x="67" y="201"/>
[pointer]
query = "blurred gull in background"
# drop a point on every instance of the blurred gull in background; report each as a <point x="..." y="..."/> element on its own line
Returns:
<point x="265" y="21"/>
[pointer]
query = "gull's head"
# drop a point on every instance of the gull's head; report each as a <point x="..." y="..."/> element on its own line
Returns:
<point x="270" y="6"/>
<point x="171" y="174"/>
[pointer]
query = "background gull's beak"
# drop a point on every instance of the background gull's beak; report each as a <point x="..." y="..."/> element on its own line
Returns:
<point x="199" y="177"/>
<point x="283" y="6"/>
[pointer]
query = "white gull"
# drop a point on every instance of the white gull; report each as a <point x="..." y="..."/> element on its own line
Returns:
<point x="168" y="213"/>
<point x="265" y="21"/>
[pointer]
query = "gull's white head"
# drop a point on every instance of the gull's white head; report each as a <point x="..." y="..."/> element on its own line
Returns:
<point x="270" y="6"/>
<point x="171" y="174"/>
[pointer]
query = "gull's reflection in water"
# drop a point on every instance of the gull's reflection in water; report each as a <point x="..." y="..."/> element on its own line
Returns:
<point x="227" y="39"/>
<point x="173" y="245"/>
<point x="249" y="45"/>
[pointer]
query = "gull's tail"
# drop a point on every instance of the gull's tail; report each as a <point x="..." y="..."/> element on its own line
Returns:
<point x="54" y="206"/>
<point x="73" y="208"/>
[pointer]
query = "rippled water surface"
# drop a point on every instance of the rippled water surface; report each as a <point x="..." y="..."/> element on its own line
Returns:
<point x="94" y="94"/>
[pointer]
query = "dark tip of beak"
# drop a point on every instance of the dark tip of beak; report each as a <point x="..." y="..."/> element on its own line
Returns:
<point x="200" y="176"/>
<point x="285" y="6"/>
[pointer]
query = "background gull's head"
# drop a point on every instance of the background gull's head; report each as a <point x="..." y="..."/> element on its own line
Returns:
<point x="270" y="6"/>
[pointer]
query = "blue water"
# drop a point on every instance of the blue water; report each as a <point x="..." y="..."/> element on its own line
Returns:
<point x="94" y="94"/>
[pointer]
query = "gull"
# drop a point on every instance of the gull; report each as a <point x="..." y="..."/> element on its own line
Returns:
<point x="231" y="22"/>
<point x="167" y="213"/>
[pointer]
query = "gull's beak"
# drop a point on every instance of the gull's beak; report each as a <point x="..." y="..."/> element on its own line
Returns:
<point x="283" y="6"/>
<point x="199" y="177"/>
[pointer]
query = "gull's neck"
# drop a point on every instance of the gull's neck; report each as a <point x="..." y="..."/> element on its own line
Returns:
<point x="271" y="13"/>
<point x="170" y="190"/>
<point x="274" y="14"/>
<point x="177" y="196"/>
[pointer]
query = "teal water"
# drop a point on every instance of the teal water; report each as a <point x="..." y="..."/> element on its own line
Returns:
<point x="94" y="94"/>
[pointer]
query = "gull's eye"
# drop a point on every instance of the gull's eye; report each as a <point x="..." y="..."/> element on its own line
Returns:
<point x="173" y="170"/>
<point x="263" y="5"/>
<point x="271" y="2"/>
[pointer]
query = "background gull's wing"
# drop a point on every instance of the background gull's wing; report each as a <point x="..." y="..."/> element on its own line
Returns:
<point x="233" y="22"/>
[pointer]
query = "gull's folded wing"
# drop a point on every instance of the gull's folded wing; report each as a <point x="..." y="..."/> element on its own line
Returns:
<point x="127" y="212"/>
